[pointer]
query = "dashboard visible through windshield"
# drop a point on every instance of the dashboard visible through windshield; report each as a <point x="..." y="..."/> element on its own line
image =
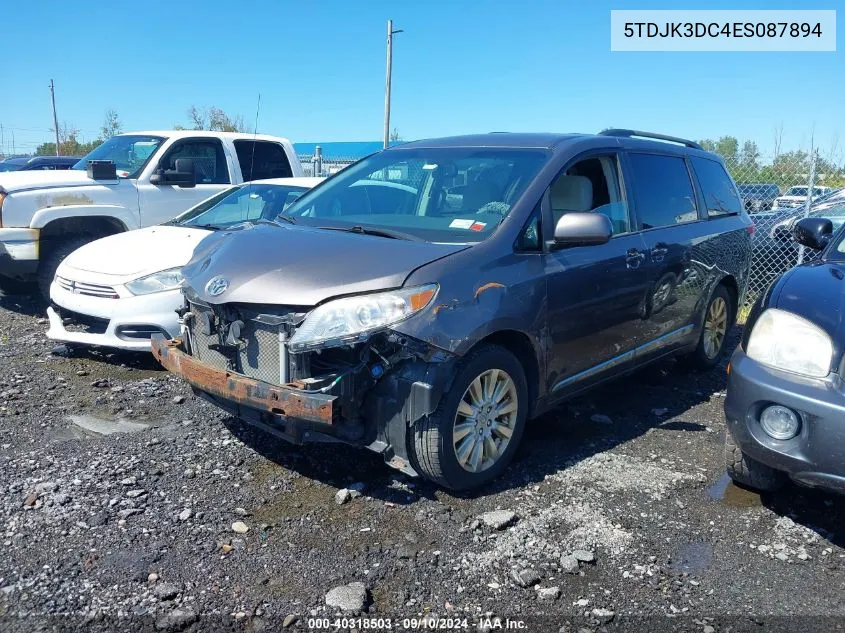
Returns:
<point x="128" y="152"/>
<point x="456" y="195"/>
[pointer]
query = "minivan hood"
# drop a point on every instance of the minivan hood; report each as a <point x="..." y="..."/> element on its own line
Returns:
<point x="816" y="291"/>
<point x="133" y="254"/>
<point x="43" y="179"/>
<point x="302" y="266"/>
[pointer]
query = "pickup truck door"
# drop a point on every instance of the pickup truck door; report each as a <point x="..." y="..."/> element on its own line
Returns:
<point x="160" y="203"/>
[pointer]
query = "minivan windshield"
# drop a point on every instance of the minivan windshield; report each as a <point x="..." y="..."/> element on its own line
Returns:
<point x="453" y="194"/>
<point x="129" y="153"/>
<point x="250" y="202"/>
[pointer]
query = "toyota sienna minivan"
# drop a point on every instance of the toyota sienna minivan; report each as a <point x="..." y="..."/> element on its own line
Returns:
<point x="429" y="300"/>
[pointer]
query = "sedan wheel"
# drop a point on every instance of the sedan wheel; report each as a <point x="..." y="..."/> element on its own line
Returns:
<point x="485" y="420"/>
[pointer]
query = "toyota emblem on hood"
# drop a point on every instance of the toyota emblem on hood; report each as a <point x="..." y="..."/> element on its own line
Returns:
<point x="216" y="286"/>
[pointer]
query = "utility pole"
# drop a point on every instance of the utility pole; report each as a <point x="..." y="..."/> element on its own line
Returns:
<point x="2" y="144"/>
<point x="55" y="118"/>
<point x="390" y="34"/>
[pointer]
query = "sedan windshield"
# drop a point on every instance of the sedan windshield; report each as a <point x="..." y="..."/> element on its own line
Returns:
<point x="245" y="203"/>
<point x="456" y="195"/>
<point x="128" y="152"/>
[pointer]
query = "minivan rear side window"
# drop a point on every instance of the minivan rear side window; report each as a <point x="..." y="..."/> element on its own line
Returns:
<point x="262" y="159"/>
<point x="662" y="190"/>
<point x="719" y="192"/>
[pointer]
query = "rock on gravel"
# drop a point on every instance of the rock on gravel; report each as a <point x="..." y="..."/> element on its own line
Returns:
<point x="290" y="620"/>
<point x="166" y="591"/>
<point x="343" y="496"/>
<point x="526" y="577"/>
<point x="240" y="527"/>
<point x="603" y="615"/>
<point x="548" y="594"/>
<point x="185" y="514"/>
<point x="177" y="619"/>
<point x="498" y="519"/>
<point x="584" y="556"/>
<point x="569" y="564"/>
<point x="351" y="597"/>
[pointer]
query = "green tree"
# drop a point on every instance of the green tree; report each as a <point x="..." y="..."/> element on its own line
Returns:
<point x="750" y="156"/>
<point x="69" y="144"/>
<point x="111" y="125"/>
<point x="728" y="148"/>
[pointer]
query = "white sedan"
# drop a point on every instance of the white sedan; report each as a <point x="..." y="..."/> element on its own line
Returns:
<point x="120" y="290"/>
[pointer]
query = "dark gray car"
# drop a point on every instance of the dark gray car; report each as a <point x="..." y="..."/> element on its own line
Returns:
<point x="428" y="300"/>
<point x="785" y="405"/>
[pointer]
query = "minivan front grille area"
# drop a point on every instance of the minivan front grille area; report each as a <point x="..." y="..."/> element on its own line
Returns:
<point x="257" y="350"/>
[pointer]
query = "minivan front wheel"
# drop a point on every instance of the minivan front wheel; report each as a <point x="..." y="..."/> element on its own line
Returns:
<point x="718" y="318"/>
<point x="475" y="430"/>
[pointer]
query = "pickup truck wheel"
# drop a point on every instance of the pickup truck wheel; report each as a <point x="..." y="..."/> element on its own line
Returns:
<point x="475" y="430"/>
<point x="749" y="472"/>
<point x="718" y="318"/>
<point x="54" y="256"/>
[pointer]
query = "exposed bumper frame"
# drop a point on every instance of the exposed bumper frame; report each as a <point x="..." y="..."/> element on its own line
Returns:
<point x="284" y="400"/>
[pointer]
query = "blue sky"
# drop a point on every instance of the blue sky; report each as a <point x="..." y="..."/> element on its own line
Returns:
<point x="471" y="66"/>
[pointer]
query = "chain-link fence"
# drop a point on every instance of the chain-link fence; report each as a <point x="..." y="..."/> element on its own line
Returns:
<point x="318" y="165"/>
<point x="777" y="193"/>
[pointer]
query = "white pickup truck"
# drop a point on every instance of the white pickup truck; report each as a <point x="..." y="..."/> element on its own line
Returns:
<point x="130" y="181"/>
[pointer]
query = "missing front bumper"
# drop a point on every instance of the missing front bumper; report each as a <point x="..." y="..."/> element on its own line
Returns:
<point x="283" y="400"/>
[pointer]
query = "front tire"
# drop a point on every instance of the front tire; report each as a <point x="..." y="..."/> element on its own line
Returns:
<point x="54" y="256"/>
<point x="748" y="472"/>
<point x="473" y="434"/>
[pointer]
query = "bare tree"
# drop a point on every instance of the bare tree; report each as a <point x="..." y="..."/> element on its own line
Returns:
<point x="778" y="141"/>
<point x="215" y="119"/>
<point x="111" y="124"/>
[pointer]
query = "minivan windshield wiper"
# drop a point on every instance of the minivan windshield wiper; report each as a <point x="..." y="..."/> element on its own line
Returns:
<point x="366" y="230"/>
<point x="207" y="227"/>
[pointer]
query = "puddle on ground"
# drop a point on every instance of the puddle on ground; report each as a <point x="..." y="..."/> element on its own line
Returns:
<point x="101" y="426"/>
<point x="692" y="558"/>
<point x="729" y="493"/>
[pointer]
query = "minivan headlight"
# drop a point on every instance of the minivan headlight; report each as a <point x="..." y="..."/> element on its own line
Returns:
<point x="789" y="342"/>
<point x="157" y="282"/>
<point x="349" y="319"/>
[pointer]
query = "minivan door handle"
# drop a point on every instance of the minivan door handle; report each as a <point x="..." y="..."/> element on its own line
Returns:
<point x="634" y="257"/>
<point x="659" y="251"/>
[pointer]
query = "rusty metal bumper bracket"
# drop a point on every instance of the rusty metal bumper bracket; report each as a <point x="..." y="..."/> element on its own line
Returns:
<point x="284" y="400"/>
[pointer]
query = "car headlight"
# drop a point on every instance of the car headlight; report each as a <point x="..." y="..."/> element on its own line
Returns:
<point x="157" y="282"/>
<point x="789" y="342"/>
<point x="350" y="319"/>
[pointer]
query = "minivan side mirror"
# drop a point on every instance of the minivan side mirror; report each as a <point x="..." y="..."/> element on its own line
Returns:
<point x="184" y="174"/>
<point x="583" y="229"/>
<point x="813" y="233"/>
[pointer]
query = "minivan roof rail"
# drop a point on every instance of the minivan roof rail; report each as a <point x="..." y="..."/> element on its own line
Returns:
<point x="660" y="137"/>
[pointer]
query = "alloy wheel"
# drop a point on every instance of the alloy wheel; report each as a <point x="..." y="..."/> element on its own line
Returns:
<point x="715" y="327"/>
<point x="485" y="420"/>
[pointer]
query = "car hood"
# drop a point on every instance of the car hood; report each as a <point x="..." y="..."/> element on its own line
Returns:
<point x="816" y="292"/>
<point x="12" y="181"/>
<point x="792" y="198"/>
<point x="294" y="265"/>
<point x="126" y="256"/>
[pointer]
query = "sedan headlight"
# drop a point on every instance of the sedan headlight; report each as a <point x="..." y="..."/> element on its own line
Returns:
<point x="350" y="319"/>
<point x="789" y="342"/>
<point x="157" y="282"/>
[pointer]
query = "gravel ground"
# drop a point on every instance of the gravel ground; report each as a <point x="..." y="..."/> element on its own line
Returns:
<point x="129" y="504"/>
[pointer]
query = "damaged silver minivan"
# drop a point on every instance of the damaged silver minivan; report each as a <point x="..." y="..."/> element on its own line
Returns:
<point x="428" y="300"/>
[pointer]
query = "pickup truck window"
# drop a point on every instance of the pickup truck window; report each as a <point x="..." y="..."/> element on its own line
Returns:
<point x="262" y="159"/>
<point x="207" y="154"/>
<point x="129" y="153"/>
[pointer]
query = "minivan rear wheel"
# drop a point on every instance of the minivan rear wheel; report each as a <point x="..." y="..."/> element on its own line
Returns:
<point x="472" y="435"/>
<point x="718" y="319"/>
